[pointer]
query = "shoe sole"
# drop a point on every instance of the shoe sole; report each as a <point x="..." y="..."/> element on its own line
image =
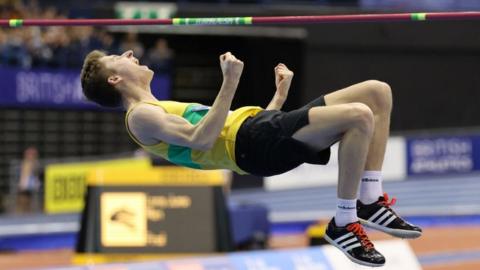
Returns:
<point x="350" y="257"/>
<point x="393" y="232"/>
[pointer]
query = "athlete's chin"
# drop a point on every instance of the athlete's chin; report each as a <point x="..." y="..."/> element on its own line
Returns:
<point x="147" y="69"/>
<point x="149" y="75"/>
<point x="150" y="72"/>
<point x="145" y="72"/>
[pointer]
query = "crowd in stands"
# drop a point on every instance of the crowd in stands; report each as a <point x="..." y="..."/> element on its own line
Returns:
<point x="65" y="47"/>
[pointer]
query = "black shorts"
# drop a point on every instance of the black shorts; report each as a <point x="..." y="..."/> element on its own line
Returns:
<point x="264" y="145"/>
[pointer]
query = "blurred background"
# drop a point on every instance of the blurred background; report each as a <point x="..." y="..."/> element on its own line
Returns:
<point x="433" y="157"/>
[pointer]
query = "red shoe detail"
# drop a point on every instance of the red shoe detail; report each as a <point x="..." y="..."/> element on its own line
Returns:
<point x="358" y="230"/>
<point x="385" y="201"/>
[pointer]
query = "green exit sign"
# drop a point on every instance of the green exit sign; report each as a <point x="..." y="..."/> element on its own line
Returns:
<point x="139" y="10"/>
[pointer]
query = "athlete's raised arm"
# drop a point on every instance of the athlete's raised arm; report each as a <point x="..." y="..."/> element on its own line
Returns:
<point x="151" y="124"/>
<point x="283" y="79"/>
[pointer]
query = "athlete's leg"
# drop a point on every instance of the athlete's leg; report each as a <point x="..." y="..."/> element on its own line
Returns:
<point x="373" y="208"/>
<point x="353" y="125"/>
<point x="378" y="97"/>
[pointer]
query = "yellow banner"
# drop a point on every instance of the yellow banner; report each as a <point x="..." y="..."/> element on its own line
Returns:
<point x="99" y="258"/>
<point x="65" y="184"/>
<point x="162" y="176"/>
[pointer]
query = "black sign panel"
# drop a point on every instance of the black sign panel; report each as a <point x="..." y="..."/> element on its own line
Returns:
<point x="153" y="219"/>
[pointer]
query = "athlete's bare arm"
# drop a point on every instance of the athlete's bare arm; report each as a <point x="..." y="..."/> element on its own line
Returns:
<point x="283" y="79"/>
<point x="151" y="124"/>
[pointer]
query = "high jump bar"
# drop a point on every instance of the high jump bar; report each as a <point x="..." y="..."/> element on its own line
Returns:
<point x="393" y="17"/>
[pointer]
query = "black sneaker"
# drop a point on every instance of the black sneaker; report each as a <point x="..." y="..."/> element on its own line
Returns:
<point x="353" y="241"/>
<point x="380" y="216"/>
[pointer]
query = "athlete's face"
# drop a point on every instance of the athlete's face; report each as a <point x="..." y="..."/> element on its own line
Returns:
<point x="127" y="68"/>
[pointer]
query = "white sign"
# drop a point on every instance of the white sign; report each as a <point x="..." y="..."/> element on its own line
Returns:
<point x="308" y="175"/>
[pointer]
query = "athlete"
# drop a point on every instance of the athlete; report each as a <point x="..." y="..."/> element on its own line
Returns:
<point x="266" y="141"/>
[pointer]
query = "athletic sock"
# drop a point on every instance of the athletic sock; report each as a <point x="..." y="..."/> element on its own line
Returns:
<point x="371" y="187"/>
<point x="346" y="212"/>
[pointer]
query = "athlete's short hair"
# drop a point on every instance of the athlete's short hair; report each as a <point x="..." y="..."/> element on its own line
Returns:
<point x="94" y="79"/>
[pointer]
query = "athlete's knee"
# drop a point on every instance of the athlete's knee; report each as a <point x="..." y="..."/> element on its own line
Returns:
<point x="380" y="95"/>
<point x="361" y="117"/>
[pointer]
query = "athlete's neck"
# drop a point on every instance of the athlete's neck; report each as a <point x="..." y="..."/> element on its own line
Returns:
<point x="134" y="96"/>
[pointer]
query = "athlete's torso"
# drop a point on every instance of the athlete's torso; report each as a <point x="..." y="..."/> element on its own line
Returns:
<point x="220" y="156"/>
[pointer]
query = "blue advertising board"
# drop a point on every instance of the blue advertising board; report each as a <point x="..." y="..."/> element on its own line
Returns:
<point x="55" y="88"/>
<point x="443" y="155"/>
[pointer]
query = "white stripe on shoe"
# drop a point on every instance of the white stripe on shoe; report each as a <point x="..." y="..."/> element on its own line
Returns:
<point x="352" y="246"/>
<point x="345" y="236"/>
<point x="394" y="232"/>
<point x="388" y="221"/>
<point x="378" y="213"/>
<point x="382" y="218"/>
<point x="346" y="243"/>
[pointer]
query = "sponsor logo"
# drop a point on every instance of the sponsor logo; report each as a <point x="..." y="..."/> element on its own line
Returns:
<point x="441" y="155"/>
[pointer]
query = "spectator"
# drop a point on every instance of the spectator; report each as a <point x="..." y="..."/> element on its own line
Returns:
<point x="47" y="46"/>
<point x="56" y="45"/>
<point x="82" y="42"/>
<point x="159" y="58"/>
<point x="14" y="52"/>
<point x="107" y="42"/>
<point x="130" y="42"/>
<point x="29" y="182"/>
<point x="65" y="47"/>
